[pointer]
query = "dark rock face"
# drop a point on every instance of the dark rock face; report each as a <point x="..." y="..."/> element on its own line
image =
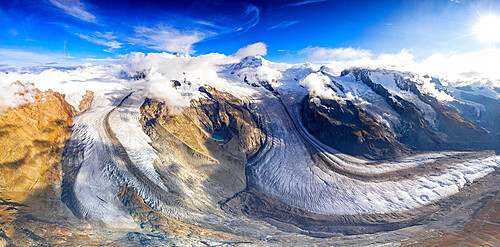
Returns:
<point x="487" y="119"/>
<point x="349" y="129"/>
<point x="346" y="127"/>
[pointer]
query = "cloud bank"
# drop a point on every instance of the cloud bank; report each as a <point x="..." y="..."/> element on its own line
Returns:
<point x="14" y="95"/>
<point x="479" y="66"/>
<point x="106" y="39"/>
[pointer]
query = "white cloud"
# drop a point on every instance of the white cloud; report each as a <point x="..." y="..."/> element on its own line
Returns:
<point x="161" y="68"/>
<point x="14" y="95"/>
<point x="75" y="8"/>
<point x="283" y="24"/>
<point x="257" y="49"/>
<point x="341" y="54"/>
<point x="479" y="66"/>
<point x="104" y="39"/>
<point x="165" y="38"/>
<point x="402" y="60"/>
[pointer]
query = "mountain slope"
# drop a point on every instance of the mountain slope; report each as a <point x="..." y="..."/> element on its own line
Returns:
<point x="412" y="118"/>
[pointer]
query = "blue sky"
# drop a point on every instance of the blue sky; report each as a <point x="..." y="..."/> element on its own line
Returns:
<point x="79" y="31"/>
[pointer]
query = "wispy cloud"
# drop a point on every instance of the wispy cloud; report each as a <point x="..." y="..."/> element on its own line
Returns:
<point x="15" y="57"/>
<point x="166" y="38"/>
<point x="104" y="39"/>
<point x="283" y="24"/>
<point x="178" y="34"/>
<point x="252" y="12"/>
<point x="108" y="59"/>
<point x="13" y="32"/>
<point x="325" y="54"/>
<point x="208" y="24"/>
<point x="75" y="8"/>
<point x="305" y="2"/>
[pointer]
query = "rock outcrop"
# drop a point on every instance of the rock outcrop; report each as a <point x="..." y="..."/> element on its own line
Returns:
<point x="32" y="138"/>
<point x="348" y="128"/>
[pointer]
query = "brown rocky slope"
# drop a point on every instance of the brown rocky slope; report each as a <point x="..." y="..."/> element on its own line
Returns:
<point x="32" y="138"/>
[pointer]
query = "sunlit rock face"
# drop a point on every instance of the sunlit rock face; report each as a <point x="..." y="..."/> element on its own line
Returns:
<point x="86" y="100"/>
<point x="32" y="139"/>
<point x="411" y="119"/>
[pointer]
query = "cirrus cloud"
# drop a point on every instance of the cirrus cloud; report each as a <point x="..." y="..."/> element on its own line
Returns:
<point x="75" y="8"/>
<point x="316" y="53"/>
<point x="104" y="39"/>
<point x="283" y="24"/>
<point x="166" y="38"/>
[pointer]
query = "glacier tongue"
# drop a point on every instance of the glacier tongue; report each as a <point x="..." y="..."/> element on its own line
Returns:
<point x="124" y="122"/>
<point x="90" y="156"/>
<point x="287" y="172"/>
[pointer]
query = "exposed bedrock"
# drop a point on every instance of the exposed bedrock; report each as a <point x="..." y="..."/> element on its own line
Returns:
<point x="349" y="129"/>
<point x="32" y="138"/>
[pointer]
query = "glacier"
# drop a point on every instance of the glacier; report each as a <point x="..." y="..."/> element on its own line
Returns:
<point x="108" y="147"/>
